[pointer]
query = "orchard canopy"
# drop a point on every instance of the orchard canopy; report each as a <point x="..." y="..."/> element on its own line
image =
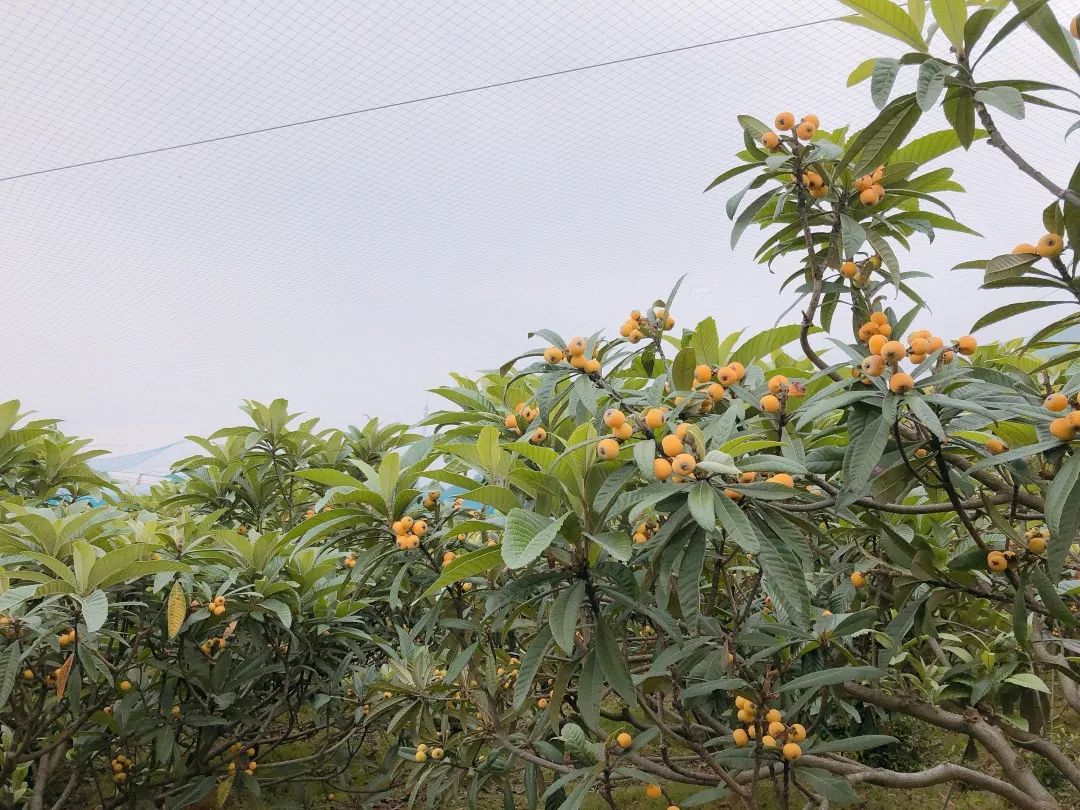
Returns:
<point x="655" y="565"/>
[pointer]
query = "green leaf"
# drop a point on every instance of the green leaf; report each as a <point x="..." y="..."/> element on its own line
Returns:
<point x="831" y="677"/>
<point x="682" y="369"/>
<point x="748" y="214"/>
<point x="1020" y="615"/>
<point x="882" y="80"/>
<point x="737" y="526"/>
<point x="784" y="577"/>
<point x="564" y="616"/>
<point x="709" y="687"/>
<point x="879" y="149"/>
<point x="706" y="342"/>
<point x="613" y="663"/>
<point x="530" y="664"/>
<point x="959" y="109"/>
<point x="1051" y="599"/>
<point x="95" y="610"/>
<point x="851" y="744"/>
<point x="753" y="126"/>
<point x="951" y="16"/>
<point x="1008" y="311"/>
<point x="465" y="566"/>
<point x="862" y="456"/>
<point x="862" y="72"/>
<point x="689" y="578"/>
<point x="1062" y="514"/>
<point x="500" y="498"/>
<point x="931" y="80"/>
<point x="888" y="257"/>
<point x="976" y="26"/>
<point x="618" y="544"/>
<point x="892" y="20"/>
<point x="1043" y="22"/>
<point x="526" y="536"/>
<point x="1009" y="27"/>
<point x="766" y="342"/>
<point x="930" y="146"/>
<point x="1007" y="99"/>
<point x="1009" y="265"/>
<point x="1029" y="680"/>
<point x="701" y="499"/>
<point x="734" y="172"/>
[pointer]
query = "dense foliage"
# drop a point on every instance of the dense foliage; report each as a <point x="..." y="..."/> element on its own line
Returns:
<point x="699" y="566"/>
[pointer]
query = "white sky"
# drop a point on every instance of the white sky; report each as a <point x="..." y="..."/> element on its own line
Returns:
<point x="349" y="265"/>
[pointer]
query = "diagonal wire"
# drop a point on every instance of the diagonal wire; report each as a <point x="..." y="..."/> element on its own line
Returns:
<point x="407" y="102"/>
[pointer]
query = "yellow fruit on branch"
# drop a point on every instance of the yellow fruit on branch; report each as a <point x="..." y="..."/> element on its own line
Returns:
<point x="792" y="751"/>
<point x="966" y="345"/>
<point x="671" y="445"/>
<point x="1050" y="246"/>
<point x="654" y="791"/>
<point x="784" y="121"/>
<point x="624" y="740"/>
<point x="1056" y="402"/>
<point x="901" y="382"/>
<point x="607" y="449"/>
<point x="996" y="561"/>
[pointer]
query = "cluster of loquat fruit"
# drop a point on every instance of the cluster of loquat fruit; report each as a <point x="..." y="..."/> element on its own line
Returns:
<point x="886" y="354"/>
<point x="869" y="187"/>
<point x="66" y="638"/>
<point x="1049" y="246"/>
<point x="238" y="751"/>
<point x="211" y="644"/>
<point x="646" y="529"/>
<point x="217" y="606"/>
<point x="121" y="765"/>
<point x="576" y="354"/>
<point x="785" y="122"/>
<point x="423" y="752"/>
<point x="780" y="390"/>
<point x="350" y="560"/>
<point x="1035" y="538"/>
<point x="523" y="416"/>
<point x="653" y="323"/>
<point x="776" y="736"/>
<point x="408" y="531"/>
<point x="1064" y="428"/>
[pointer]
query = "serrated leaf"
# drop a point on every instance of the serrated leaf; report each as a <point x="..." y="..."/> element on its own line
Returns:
<point x="613" y="663"/>
<point x="882" y="79"/>
<point x="1007" y="99"/>
<point x="831" y="677"/>
<point x="465" y="566"/>
<point x="530" y="665"/>
<point x="931" y="81"/>
<point x="1009" y="265"/>
<point x="526" y="536"/>
<point x="1062" y="514"/>
<point x="564" y="616"/>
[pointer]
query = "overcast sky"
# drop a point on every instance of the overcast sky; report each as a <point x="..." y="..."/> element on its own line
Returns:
<point x="349" y="265"/>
